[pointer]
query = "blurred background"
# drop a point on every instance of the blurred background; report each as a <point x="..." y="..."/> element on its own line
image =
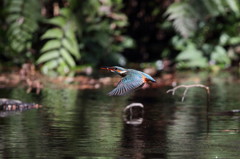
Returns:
<point x="62" y="37"/>
<point x="178" y="42"/>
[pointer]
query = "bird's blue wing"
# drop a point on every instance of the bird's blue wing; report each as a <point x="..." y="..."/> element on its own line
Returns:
<point x="126" y="85"/>
<point x="148" y="77"/>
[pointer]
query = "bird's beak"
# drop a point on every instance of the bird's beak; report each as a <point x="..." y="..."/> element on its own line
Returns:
<point x="107" y="68"/>
<point x="104" y="68"/>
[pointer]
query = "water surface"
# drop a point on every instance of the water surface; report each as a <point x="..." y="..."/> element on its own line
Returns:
<point x="90" y="124"/>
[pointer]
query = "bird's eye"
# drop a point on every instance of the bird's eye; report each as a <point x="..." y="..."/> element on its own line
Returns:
<point x="115" y="68"/>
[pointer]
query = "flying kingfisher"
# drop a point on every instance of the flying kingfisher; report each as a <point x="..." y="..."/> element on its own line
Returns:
<point x="132" y="79"/>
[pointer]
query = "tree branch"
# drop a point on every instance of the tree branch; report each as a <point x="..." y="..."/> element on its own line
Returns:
<point x="133" y="105"/>
<point x="131" y="120"/>
<point x="186" y="89"/>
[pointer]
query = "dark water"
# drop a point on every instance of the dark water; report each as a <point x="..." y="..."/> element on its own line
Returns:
<point x="89" y="124"/>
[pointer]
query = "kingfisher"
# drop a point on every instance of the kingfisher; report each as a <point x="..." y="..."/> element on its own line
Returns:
<point x="132" y="80"/>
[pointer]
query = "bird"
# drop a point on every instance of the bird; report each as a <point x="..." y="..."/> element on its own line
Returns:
<point x="132" y="80"/>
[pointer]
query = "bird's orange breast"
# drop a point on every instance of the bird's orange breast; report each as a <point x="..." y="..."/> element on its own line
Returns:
<point x="144" y="79"/>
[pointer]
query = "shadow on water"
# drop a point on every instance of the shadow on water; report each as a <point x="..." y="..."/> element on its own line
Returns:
<point x="90" y="124"/>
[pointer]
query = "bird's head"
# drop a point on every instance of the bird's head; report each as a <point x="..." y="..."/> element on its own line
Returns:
<point x="116" y="69"/>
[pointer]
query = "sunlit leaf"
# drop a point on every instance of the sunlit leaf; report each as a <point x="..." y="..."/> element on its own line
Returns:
<point x="65" y="12"/>
<point x="48" y="56"/>
<point x="128" y="42"/>
<point x="51" y="44"/>
<point x="72" y="41"/>
<point x="192" y="58"/>
<point x="219" y="6"/>
<point x="234" y="40"/>
<point x="49" y="66"/>
<point x="63" y="68"/>
<point x="219" y="55"/>
<point x="63" y="41"/>
<point x="234" y="5"/>
<point x="53" y="33"/>
<point x="58" y="21"/>
<point x="66" y="43"/>
<point x="67" y="57"/>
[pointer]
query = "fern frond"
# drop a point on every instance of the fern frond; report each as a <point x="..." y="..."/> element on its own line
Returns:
<point x="61" y="49"/>
<point x="185" y="14"/>
<point x="22" y="18"/>
<point x="221" y="7"/>
<point x="183" y="17"/>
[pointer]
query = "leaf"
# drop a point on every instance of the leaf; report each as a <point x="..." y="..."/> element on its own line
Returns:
<point x="211" y="8"/>
<point x="13" y="18"/>
<point x="233" y="4"/>
<point x="16" y="2"/>
<point x="51" y="44"/>
<point x="223" y="39"/>
<point x="63" y="67"/>
<point x="67" y="57"/>
<point x="219" y="55"/>
<point x="234" y="40"/>
<point x="48" y="56"/>
<point x="14" y="8"/>
<point x="58" y="21"/>
<point x="183" y="17"/>
<point x="219" y="6"/>
<point x="21" y="24"/>
<point x="71" y="48"/>
<point x="53" y="33"/>
<point x="63" y="41"/>
<point x="65" y="12"/>
<point x="128" y="42"/>
<point x="192" y="57"/>
<point x="73" y="42"/>
<point x="49" y="66"/>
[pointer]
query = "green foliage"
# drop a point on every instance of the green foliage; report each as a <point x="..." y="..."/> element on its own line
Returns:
<point x="21" y="22"/>
<point x="183" y="17"/>
<point x="32" y="31"/>
<point x="186" y="14"/>
<point x="92" y="33"/>
<point x="208" y="31"/>
<point x="191" y="57"/>
<point x="59" y="51"/>
<point x="101" y="32"/>
<point x="91" y="27"/>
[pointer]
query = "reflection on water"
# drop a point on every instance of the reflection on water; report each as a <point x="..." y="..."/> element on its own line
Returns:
<point x="11" y="106"/>
<point x="89" y="124"/>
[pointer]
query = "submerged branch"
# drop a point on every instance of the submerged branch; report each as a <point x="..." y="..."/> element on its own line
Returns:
<point x="133" y="119"/>
<point x="133" y="105"/>
<point x="186" y="89"/>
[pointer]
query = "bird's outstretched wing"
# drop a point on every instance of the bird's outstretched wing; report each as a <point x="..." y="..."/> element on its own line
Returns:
<point x="126" y="85"/>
